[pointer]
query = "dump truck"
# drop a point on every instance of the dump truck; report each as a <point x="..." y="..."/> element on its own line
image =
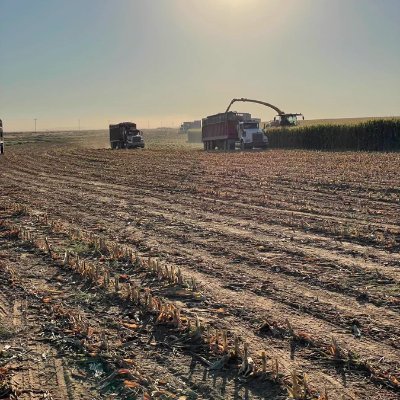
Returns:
<point x="125" y="135"/>
<point x="1" y="138"/>
<point x="226" y="131"/>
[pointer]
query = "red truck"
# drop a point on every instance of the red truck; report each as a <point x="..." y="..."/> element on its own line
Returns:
<point x="227" y="130"/>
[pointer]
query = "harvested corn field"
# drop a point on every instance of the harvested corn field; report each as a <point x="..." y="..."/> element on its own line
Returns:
<point x="178" y="273"/>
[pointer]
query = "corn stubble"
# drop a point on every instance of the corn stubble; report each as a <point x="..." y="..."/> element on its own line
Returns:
<point x="223" y="344"/>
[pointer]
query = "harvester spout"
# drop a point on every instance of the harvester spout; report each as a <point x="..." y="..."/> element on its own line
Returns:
<point x="280" y="112"/>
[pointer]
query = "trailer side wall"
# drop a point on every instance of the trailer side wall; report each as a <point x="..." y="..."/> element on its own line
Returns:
<point x="115" y="133"/>
<point x="220" y="127"/>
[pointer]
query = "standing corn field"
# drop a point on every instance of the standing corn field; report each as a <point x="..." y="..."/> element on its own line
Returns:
<point x="379" y="135"/>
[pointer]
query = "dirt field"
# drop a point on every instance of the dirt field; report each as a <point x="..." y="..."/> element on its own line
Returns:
<point x="148" y="274"/>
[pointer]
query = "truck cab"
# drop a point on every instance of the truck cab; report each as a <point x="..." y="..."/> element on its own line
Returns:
<point x="251" y="135"/>
<point x="134" y="138"/>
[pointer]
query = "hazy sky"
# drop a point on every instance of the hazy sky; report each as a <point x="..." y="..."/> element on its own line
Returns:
<point x="165" y="61"/>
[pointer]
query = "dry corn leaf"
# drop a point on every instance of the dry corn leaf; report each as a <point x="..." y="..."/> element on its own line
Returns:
<point x="131" y="384"/>
<point x="129" y="361"/>
<point x="123" y="371"/>
<point x="130" y="326"/>
<point x="124" y="278"/>
<point x="164" y="393"/>
<point x="394" y="380"/>
<point x="46" y="299"/>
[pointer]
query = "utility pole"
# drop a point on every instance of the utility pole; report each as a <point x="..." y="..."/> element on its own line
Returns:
<point x="35" y="123"/>
<point x="79" y="124"/>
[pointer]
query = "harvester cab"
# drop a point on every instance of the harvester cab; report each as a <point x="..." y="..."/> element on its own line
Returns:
<point x="286" y="120"/>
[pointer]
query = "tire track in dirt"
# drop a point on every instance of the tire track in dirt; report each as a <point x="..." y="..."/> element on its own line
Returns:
<point x="321" y="295"/>
<point x="38" y="370"/>
<point x="272" y="191"/>
<point x="319" y="256"/>
<point x="275" y="191"/>
<point x="159" y="201"/>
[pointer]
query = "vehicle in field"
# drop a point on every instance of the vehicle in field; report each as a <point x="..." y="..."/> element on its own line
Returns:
<point x="226" y="131"/>
<point x="1" y="138"/>
<point x="186" y="126"/>
<point x="282" y="119"/>
<point x="125" y="136"/>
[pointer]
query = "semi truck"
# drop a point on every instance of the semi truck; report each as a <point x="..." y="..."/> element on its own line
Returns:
<point x="125" y="135"/>
<point x="1" y="138"/>
<point x="226" y="131"/>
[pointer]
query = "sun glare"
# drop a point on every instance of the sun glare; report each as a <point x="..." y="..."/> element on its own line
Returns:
<point x="227" y="18"/>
